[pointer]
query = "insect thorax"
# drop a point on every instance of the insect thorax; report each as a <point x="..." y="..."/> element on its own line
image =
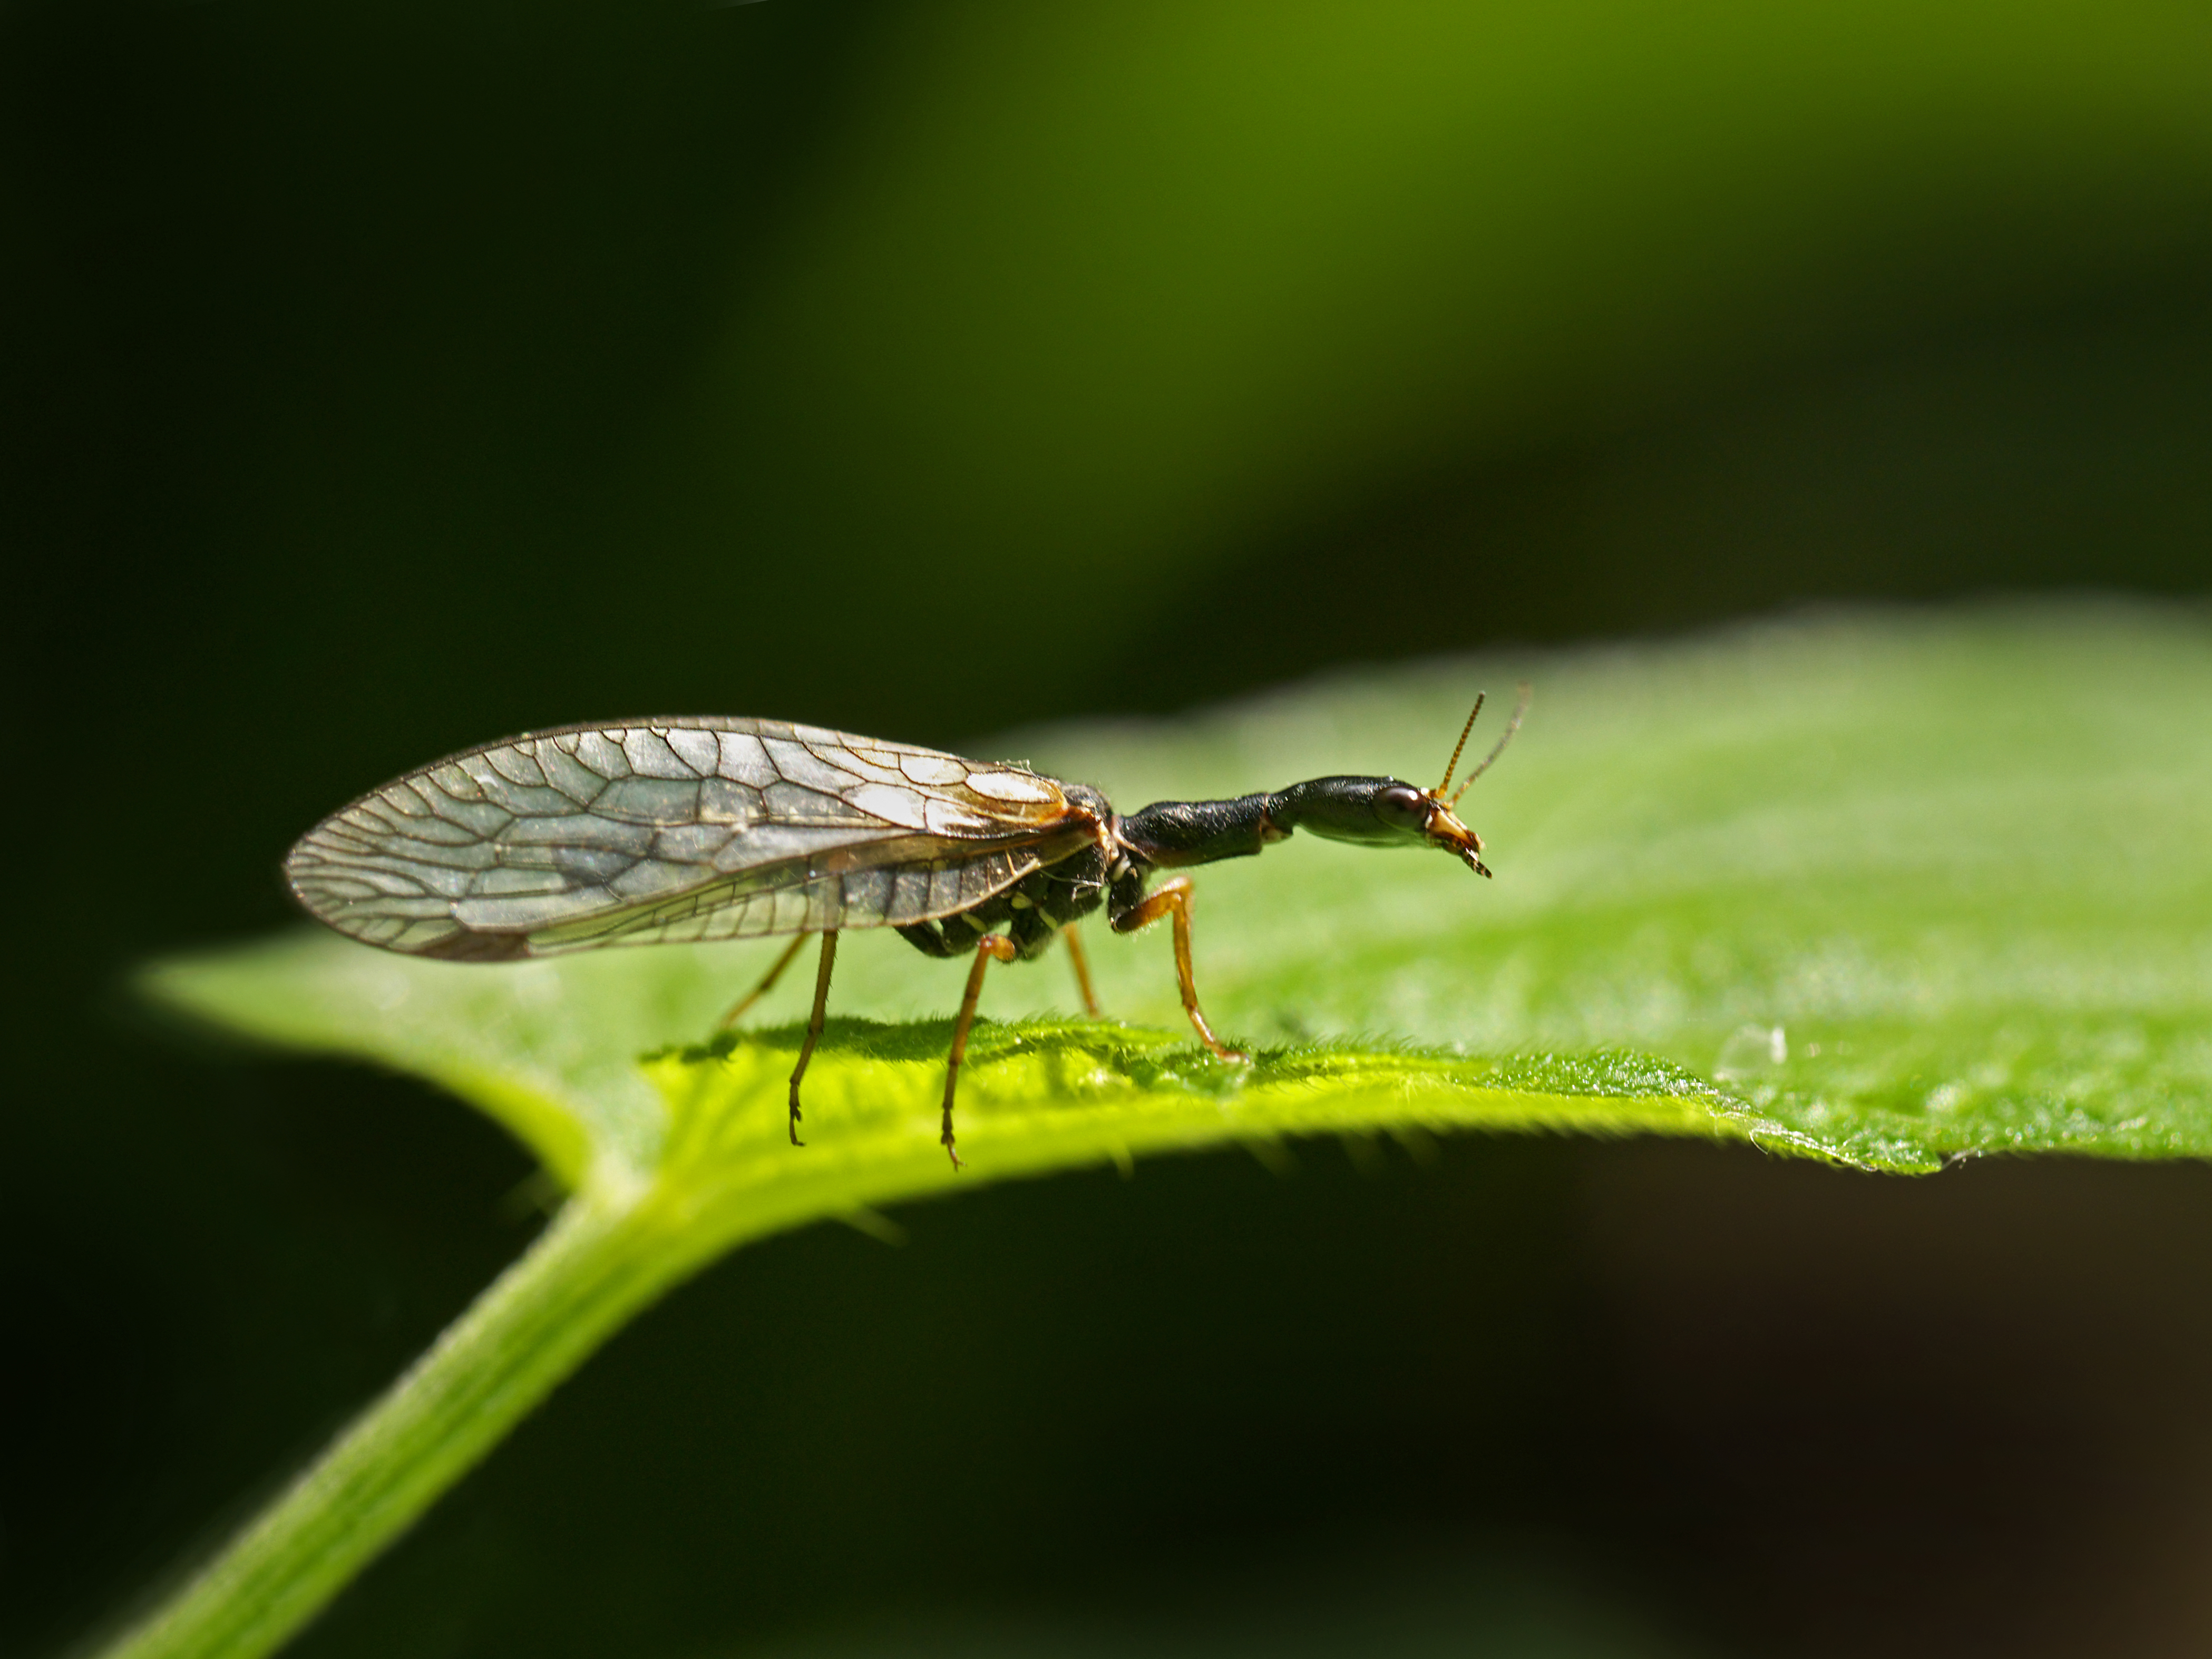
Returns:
<point x="1032" y="910"/>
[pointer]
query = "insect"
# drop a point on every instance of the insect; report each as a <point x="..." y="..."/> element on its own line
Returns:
<point x="709" y="828"/>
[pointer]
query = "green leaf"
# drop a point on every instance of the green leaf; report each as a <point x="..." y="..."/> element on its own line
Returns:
<point x="1885" y="890"/>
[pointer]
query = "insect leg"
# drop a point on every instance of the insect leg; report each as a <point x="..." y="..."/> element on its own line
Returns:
<point x="1081" y="963"/>
<point x="814" y="1024"/>
<point x="1173" y="897"/>
<point x="990" y="945"/>
<point x="767" y="984"/>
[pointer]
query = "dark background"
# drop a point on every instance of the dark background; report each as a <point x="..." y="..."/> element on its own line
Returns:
<point x="379" y="380"/>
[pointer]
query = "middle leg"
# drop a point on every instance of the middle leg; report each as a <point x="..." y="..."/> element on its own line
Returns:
<point x="1080" y="960"/>
<point x="987" y="947"/>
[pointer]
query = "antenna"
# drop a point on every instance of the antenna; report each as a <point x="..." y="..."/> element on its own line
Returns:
<point x="1512" y="725"/>
<point x="1462" y="744"/>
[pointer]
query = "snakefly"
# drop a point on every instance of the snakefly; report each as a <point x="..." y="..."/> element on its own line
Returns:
<point x="710" y="827"/>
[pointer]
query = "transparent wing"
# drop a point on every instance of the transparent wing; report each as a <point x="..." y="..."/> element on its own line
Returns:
<point x="671" y="829"/>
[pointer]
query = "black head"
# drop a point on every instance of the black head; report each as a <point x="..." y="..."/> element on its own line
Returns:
<point x="1391" y="812"/>
<point x="1376" y="812"/>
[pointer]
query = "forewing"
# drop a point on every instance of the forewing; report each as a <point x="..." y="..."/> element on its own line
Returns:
<point x="687" y="828"/>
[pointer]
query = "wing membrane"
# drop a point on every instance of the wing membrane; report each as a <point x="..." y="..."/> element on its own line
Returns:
<point x="672" y="829"/>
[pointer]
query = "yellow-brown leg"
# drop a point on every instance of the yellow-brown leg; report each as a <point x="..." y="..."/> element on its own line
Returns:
<point x="1173" y="898"/>
<point x="814" y="1023"/>
<point x="767" y="984"/>
<point x="990" y="945"/>
<point x="1082" y="966"/>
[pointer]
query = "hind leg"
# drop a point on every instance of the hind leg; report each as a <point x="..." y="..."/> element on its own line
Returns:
<point x="814" y="1023"/>
<point x="767" y="984"/>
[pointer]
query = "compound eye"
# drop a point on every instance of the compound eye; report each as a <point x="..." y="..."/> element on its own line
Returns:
<point x="1403" y="807"/>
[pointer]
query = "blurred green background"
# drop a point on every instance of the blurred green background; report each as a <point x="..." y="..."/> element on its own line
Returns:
<point x="380" y="379"/>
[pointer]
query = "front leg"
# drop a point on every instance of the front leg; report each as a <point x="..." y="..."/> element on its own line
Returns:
<point x="1173" y="898"/>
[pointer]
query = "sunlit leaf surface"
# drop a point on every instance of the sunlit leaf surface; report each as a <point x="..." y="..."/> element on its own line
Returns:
<point x="1887" y="889"/>
<point x="1879" y="890"/>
